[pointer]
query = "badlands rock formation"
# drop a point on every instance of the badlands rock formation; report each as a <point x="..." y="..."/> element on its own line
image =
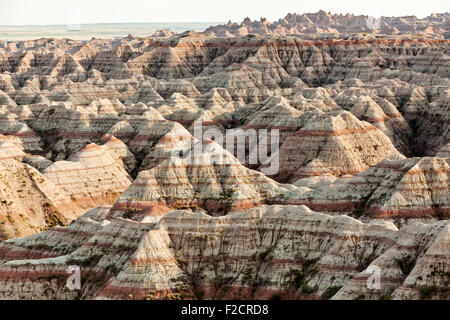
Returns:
<point x="285" y="251"/>
<point x="393" y="188"/>
<point x="37" y="194"/>
<point x="100" y="165"/>
<point x="325" y="22"/>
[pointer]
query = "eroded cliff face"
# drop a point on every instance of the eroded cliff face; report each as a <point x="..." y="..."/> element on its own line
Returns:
<point x="37" y="194"/>
<point x="101" y="132"/>
<point x="288" y="251"/>
<point x="161" y="241"/>
<point x="333" y="24"/>
<point x="393" y="188"/>
<point x="335" y="95"/>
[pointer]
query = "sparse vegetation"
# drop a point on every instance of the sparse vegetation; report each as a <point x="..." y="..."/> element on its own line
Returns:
<point x="331" y="291"/>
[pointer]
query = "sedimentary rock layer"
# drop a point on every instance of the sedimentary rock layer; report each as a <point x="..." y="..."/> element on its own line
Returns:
<point x="325" y="22"/>
<point x="290" y="251"/>
<point x="104" y="166"/>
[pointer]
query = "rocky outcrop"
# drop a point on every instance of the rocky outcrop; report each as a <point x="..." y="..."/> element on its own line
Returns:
<point x="29" y="201"/>
<point x="396" y="188"/>
<point x="92" y="177"/>
<point x="103" y="167"/>
<point x="416" y="267"/>
<point x="325" y="22"/>
<point x="288" y="251"/>
<point x="335" y="143"/>
<point x="196" y="176"/>
<point x="33" y="201"/>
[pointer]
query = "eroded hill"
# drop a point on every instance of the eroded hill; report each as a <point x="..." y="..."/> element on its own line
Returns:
<point x="95" y="131"/>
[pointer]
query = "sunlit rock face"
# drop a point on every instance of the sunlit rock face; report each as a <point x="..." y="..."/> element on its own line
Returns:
<point x="100" y="165"/>
<point x="334" y="24"/>
<point x="289" y="251"/>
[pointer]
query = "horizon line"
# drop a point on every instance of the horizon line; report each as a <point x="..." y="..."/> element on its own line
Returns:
<point x="84" y="24"/>
<point x="224" y="21"/>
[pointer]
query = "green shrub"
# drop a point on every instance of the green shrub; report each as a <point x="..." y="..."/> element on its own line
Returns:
<point x="331" y="291"/>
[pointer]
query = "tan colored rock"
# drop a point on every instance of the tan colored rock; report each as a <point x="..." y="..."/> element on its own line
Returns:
<point x="92" y="177"/>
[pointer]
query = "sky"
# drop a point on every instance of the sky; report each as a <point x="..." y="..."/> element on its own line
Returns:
<point x="50" y="12"/>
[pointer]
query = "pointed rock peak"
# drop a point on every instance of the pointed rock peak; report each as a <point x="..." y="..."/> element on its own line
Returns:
<point x="179" y="98"/>
<point x="90" y="148"/>
<point x="109" y="138"/>
<point x="153" y="114"/>
<point x="335" y="121"/>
